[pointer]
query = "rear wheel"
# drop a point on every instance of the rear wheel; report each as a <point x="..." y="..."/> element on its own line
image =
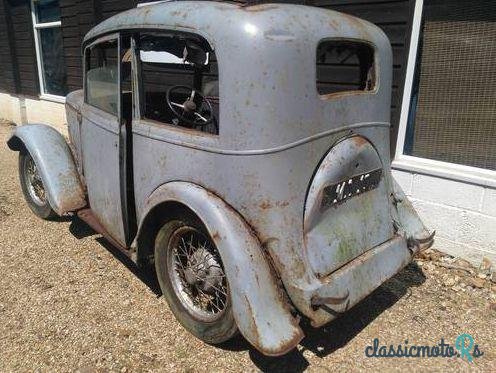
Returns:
<point x="33" y="188"/>
<point x="192" y="278"/>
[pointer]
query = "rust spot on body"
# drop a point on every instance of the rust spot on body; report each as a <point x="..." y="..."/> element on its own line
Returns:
<point x="334" y="24"/>
<point x="180" y="25"/>
<point x="265" y="205"/>
<point x="259" y="8"/>
<point x="359" y="140"/>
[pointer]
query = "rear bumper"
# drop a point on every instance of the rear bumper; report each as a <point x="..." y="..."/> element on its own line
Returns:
<point x="354" y="281"/>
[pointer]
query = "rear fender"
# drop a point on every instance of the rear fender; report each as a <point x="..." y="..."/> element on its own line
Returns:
<point x="260" y="311"/>
<point x="408" y="222"/>
<point x="55" y="164"/>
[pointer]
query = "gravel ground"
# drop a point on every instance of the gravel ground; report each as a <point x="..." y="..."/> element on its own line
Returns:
<point x="68" y="301"/>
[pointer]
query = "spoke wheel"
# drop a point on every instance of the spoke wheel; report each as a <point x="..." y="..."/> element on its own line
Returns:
<point x="33" y="181"/>
<point x="197" y="274"/>
<point x="192" y="278"/>
<point x="33" y="188"/>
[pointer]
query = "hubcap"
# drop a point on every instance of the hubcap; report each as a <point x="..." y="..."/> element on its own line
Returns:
<point x="197" y="274"/>
<point x="33" y="181"/>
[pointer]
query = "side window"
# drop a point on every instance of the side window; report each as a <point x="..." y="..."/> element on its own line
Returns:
<point x="102" y="78"/>
<point x="179" y="81"/>
<point x="345" y="66"/>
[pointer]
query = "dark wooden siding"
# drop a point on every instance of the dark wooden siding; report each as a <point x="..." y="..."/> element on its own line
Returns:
<point x="8" y="74"/>
<point x="18" y="61"/>
<point x="22" y="28"/>
<point x="78" y="17"/>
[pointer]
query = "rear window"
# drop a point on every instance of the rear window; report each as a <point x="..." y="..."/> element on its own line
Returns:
<point x="345" y="66"/>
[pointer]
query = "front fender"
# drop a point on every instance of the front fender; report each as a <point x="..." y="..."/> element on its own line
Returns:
<point x="260" y="311"/>
<point x="55" y="164"/>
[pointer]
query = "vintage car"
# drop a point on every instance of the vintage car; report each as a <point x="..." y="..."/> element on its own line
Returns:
<point x="241" y="151"/>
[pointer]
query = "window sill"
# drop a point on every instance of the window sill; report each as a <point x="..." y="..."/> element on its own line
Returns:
<point x="53" y="98"/>
<point x="139" y="5"/>
<point x="445" y="170"/>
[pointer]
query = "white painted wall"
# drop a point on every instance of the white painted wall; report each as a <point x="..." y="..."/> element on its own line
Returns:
<point x="22" y="110"/>
<point x="463" y="214"/>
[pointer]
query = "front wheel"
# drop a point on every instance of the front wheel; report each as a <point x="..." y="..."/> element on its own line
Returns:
<point x="192" y="278"/>
<point x="33" y="188"/>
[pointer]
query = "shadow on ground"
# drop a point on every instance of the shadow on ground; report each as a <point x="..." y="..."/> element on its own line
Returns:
<point x="80" y="229"/>
<point x="338" y="333"/>
<point x="322" y="341"/>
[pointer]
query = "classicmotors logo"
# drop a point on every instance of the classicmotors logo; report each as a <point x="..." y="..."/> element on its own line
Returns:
<point x="464" y="347"/>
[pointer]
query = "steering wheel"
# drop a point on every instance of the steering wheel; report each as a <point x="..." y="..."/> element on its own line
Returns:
<point x="196" y="110"/>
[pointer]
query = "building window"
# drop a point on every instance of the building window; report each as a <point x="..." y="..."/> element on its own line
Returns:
<point x="49" y="50"/>
<point x="452" y="115"/>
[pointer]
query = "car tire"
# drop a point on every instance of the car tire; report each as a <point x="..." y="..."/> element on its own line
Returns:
<point x="176" y="282"/>
<point x="33" y="188"/>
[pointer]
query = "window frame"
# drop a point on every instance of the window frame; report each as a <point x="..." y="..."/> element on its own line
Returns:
<point x="351" y="92"/>
<point x="410" y="163"/>
<point x="87" y="47"/>
<point x="39" y="59"/>
<point x="139" y="111"/>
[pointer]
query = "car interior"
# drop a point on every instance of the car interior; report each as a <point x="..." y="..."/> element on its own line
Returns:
<point x="179" y="80"/>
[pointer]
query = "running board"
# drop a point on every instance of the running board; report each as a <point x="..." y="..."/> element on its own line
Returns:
<point x="89" y="218"/>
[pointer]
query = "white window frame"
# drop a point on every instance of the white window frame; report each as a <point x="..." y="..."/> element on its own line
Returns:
<point x="469" y="174"/>
<point x="139" y="5"/>
<point x="39" y="60"/>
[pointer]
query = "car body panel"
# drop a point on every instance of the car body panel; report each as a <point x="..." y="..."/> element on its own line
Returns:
<point x="73" y="105"/>
<point x="100" y="147"/>
<point x="261" y="313"/>
<point x="354" y="281"/>
<point x="55" y="164"/>
<point x="341" y="222"/>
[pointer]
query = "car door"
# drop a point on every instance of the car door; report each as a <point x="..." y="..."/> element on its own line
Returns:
<point x="100" y="135"/>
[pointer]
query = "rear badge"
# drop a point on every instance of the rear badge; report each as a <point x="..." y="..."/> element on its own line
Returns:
<point x="337" y="193"/>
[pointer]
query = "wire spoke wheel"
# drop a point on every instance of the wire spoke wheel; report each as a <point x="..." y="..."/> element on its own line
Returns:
<point x="33" y="188"/>
<point x="33" y="182"/>
<point x="193" y="280"/>
<point x="197" y="274"/>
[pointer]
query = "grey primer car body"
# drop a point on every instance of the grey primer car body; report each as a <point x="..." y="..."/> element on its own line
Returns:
<point x="275" y="188"/>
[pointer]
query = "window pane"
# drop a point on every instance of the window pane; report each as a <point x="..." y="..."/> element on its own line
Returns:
<point x="47" y="11"/>
<point x="179" y="59"/>
<point x="344" y="66"/>
<point x="453" y="108"/>
<point x="102" y="79"/>
<point x="53" y="64"/>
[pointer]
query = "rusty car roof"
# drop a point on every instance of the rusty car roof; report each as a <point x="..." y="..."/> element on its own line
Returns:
<point x="214" y="20"/>
<point x="267" y="70"/>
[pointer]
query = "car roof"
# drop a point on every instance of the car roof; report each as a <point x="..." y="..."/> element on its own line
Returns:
<point x="266" y="57"/>
<point x="214" y="20"/>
